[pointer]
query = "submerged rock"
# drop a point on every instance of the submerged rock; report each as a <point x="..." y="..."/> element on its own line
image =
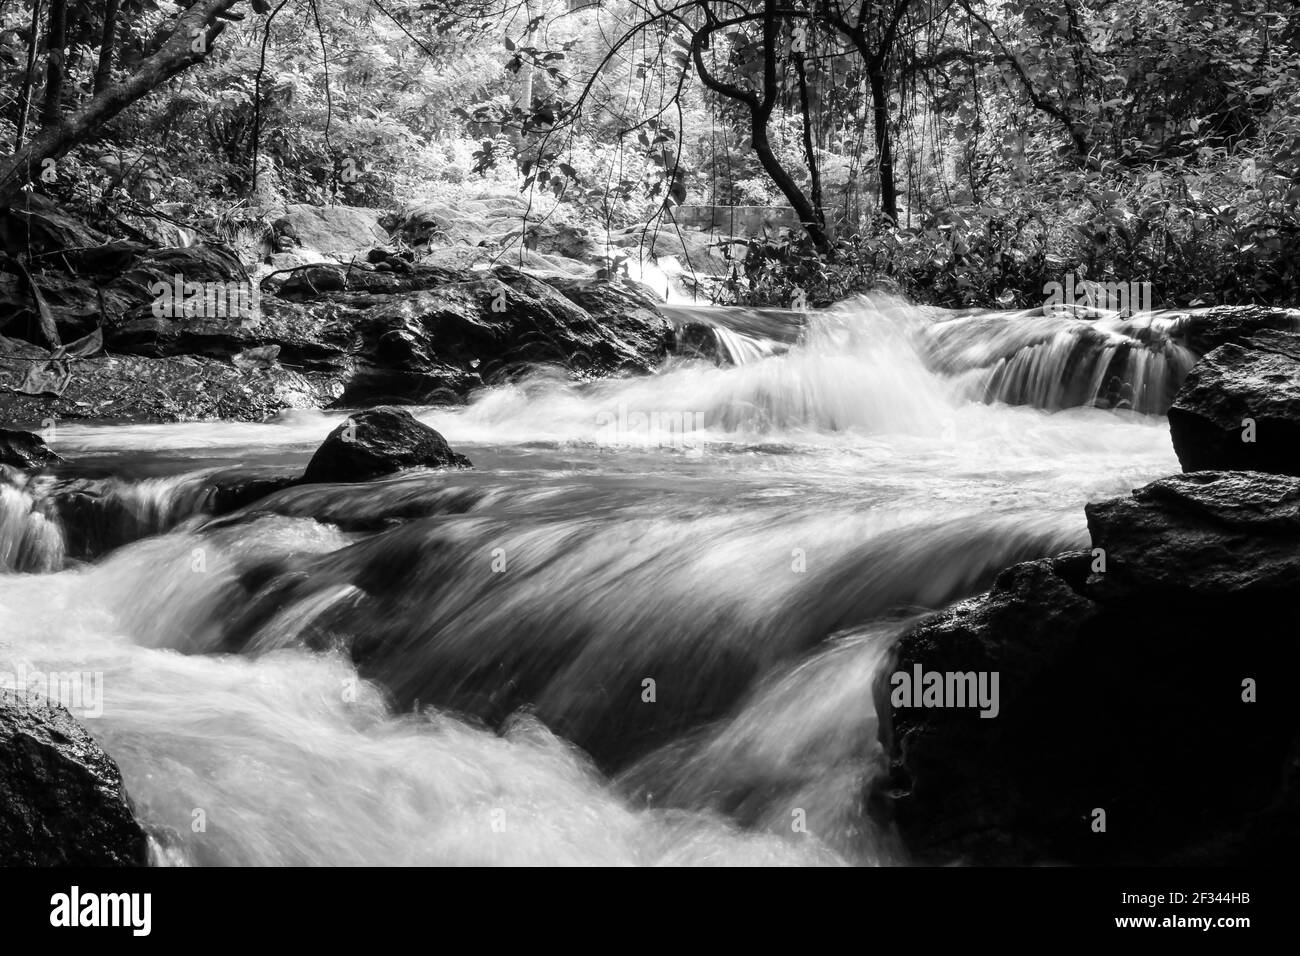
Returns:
<point x="1240" y="407"/>
<point x="1140" y="718"/>
<point x="379" y="442"/>
<point x="20" y="449"/>
<point x="97" y="514"/>
<point x="62" y="802"/>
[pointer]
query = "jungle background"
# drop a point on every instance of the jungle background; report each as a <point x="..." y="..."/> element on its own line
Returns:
<point x="961" y="152"/>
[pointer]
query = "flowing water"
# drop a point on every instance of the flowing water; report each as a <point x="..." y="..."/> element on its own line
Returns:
<point x="643" y="629"/>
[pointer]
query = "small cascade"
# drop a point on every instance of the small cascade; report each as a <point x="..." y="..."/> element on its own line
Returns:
<point x="31" y="539"/>
<point x="1060" y="361"/>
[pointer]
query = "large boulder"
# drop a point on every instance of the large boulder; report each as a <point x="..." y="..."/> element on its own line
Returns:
<point x="332" y="230"/>
<point x="432" y="335"/>
<point x="24" y="450"/>
<point x="377" y="442"/>
<point x="1142" y="715"/>
<point x="62" y="802"/>
<point x="35" y="224"/>
<point x="1239" y="407"/>
<point x="305" y="338"/>
<point x="115" y="285"/>
<point x="1208" y="537"/>
<point x="565" y="240"/>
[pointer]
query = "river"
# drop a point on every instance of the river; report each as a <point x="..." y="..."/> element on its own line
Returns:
<point x="642" y="630"/>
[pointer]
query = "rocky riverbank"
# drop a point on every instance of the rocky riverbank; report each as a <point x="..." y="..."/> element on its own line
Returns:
<point x="117" y="330"/>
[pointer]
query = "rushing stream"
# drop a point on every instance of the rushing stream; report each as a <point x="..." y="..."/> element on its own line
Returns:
<point x="395" y="673"/>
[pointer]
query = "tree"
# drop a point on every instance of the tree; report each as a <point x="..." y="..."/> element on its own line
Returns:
<point x="104" y="70"/>
<point x="191" y="39"/>
<point x="56" y="41"/>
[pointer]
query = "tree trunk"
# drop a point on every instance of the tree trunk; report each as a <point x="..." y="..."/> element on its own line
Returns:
<point x="29" y="78"/>
<point x="884" y="150"/>
<point x="760" y="112"/>
<point x="56" y="40"/>
<point x="809" y="147"/>
<point x="807" y="213"/>
<point x="104" y="71"/>
<point x="178" y="53"/>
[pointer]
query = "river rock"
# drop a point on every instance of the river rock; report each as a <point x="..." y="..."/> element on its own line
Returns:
<point x="24" y="450"/>
<point x="121" y="289"/>
<point x="62" y="802"/>
<point x="565" y="240"/>
<point x="695" y="340"/>
<point x="1204" y="330"/>
<point x="1123" y="673"/>
<point x="433" y="335"/>
<point x="1239" y="407"/>
<point x="33" y="224"/>
<point x="332" y="230"/>
<point x="376" y="442"/>
<point x="301" y="337"/>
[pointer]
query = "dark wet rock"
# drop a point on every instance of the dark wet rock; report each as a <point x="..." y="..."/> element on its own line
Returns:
<point x="62" y="802"/>
<point x="699" y="341"/>
<point x="24" y="450"/>
<point x="356" y="507"/>
<point x="389" y="260"/>
<point x="130" y="288"/>
<point x="1239" y="407"/>
<point x="304" y="338"/>
<point x="1203" y="538"/>
<point x="35" y="225"/>
<point x="377" y="442"/>
<point x="432" y="335"/>
<point x="623" y="305"/>
<point x="312" y="280"/>
<point x="1204" y="330"/>
<point x="1119" y="690"/>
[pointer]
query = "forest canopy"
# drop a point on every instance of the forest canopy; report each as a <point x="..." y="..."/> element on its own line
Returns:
<point x="960" y="151"/>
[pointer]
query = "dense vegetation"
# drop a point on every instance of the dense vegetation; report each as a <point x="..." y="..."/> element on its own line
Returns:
<point x="961" y="151"/>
